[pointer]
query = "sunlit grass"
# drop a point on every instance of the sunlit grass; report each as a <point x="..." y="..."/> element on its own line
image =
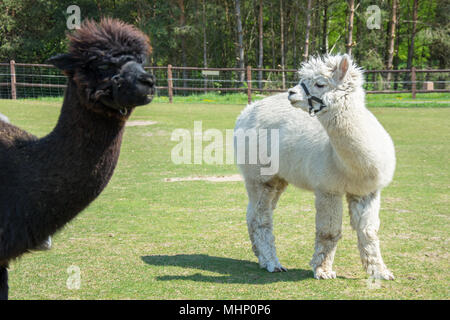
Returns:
<point x="373" y="100"/>
<point x="144" y="238"/>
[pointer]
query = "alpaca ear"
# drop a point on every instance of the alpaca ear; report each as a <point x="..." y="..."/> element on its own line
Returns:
<point x="342" y="69"/>
<point x="64" y="61"/>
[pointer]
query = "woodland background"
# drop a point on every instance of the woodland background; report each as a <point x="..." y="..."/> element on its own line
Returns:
<point x="236" y="33"/>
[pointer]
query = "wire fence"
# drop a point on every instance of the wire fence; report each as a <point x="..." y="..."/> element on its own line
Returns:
<point x="20" y="80"/>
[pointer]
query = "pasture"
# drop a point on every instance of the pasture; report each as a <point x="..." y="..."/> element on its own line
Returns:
<point x="145" y="238"/>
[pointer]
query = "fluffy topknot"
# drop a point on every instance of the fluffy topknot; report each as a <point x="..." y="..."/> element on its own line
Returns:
<point x="326" y="65"/>
<point x="108" y="38"/>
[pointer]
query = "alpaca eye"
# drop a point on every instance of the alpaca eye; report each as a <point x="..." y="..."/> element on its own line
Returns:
<point x="318" y="85"/>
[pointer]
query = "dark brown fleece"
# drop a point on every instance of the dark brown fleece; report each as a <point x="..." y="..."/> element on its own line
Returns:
<point x="44" y="183"/>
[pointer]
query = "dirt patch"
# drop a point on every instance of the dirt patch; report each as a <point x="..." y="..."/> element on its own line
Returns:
<point x="137" y="123"/>
<point x="391" y="200"/>
<point x="402" y="211"/>
<point x="230" y="178"/>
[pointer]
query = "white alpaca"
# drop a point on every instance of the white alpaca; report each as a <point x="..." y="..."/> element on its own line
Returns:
<point x="4" y="118"/>
<point x="343" y="150"/>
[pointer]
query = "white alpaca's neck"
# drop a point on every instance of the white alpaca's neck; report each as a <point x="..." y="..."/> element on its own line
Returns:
<point x="360" y="143"/>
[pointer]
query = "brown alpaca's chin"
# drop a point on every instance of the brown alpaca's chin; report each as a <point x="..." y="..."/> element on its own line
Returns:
<point x="144" y="100"/>
<point x="149" y="98"/>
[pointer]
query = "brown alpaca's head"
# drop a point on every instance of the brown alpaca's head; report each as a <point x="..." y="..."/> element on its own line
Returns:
<point x="105" y="62"/>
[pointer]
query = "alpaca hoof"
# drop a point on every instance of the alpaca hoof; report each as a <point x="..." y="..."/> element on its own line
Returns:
<point x="272" y="267"/>
<point x="280" y="269"/>
<point x="319" y="273"/>
<point x="383" y="274"/>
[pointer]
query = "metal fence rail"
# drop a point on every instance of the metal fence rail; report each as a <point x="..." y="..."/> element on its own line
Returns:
<point x="21" y="80"/>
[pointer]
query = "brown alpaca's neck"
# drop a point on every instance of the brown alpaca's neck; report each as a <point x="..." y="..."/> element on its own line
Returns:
<point x="76" y="161"/>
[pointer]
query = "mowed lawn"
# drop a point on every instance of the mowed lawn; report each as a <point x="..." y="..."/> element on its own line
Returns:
<point x="145" y="238"/>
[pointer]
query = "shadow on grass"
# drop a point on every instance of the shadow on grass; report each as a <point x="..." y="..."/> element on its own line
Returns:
<point x="233" y="270"/>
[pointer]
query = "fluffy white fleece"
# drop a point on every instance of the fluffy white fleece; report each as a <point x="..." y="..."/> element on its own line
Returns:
<point x="4" y="118"/>
<point x="343" y="150"/>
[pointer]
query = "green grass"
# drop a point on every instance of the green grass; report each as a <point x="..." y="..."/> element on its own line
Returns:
<point x="405" y="100"/>
<point x="144" y="238"/>
<point x="373" y="100"/>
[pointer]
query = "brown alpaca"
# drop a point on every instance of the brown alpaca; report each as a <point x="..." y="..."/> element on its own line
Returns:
<point x="44" y="183"/>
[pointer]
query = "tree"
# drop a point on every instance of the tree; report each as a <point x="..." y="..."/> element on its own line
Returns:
<point x="325" y="28"/>
<point x="440" y="41"/>
<point x="349" y="44"/>
<point x="307" y="30"/>
<point x="240" y="44"/>
<point x="283" y="76"/>
<point x="182" y="32"/>
<point x="294" y="35"/>
<point x="261" y="42"/>
<point x="413" y="35"/>
<point x="205" y="43"/>
<point x="230" y="33"/>
<point x="390" y="50"/>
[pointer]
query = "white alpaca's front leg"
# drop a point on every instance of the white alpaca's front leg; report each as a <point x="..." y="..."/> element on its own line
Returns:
<point x="328" y="233"/>
<point x="260" y="228"/>
<point x="364" y="218"/>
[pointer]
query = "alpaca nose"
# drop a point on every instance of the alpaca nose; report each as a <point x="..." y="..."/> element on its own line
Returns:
<point x="147" y="79"/>
<point x="291" y="92"/>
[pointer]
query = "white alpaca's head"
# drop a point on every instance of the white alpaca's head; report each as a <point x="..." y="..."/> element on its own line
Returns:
<point x="329" y="79"/>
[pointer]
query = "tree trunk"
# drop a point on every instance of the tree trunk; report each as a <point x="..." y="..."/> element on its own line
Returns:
<point x="274" y="65"/>
<point x="360" y="30"/>
<point x="413" y="35"/>
<point x="396" y="59"/>
<point x="307" y="30"/>
<point x="240" y="58"/>
<point x="261" y="43"/>
<point x="349" y="44"/>
<point x="294" y="35"/>
<point x="283" y="76"/>
<point x="409" y="62"/>
<point x="315" y="36"/>
<point x="205" y="43"/>
<point x="183" y="41"/>
<point x="325" y="28"/>
<point x="390" y="51"/>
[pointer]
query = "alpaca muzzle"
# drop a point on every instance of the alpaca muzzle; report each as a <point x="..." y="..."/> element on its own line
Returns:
<point x="127" y="89"/>
<point x="312" y="112"/>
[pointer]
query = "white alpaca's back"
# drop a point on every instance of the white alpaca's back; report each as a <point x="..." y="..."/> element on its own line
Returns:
<point x="306" y="157"/>
<point x="4" y="118"/>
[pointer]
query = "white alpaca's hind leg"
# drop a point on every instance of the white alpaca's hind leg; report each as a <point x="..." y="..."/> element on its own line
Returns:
<point x="364" y="218"/>
<point x="280" y="187"/>
<point x="262" y="201"/>
<point x="328" y="233"/>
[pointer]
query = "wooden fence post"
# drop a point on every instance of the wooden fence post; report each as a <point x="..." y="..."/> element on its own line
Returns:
<point x="413" y="82"/>
<point x="169" y="82"/>
<point x="12" y="66"/>
<point x="249" y="83"/>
